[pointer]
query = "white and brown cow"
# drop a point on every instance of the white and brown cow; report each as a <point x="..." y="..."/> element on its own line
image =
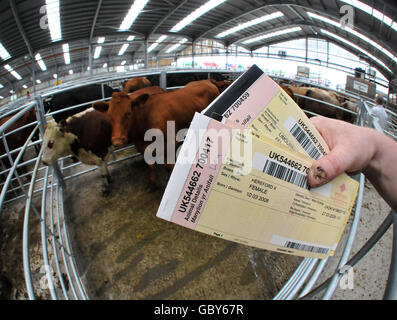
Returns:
<point x="86" y="135"/>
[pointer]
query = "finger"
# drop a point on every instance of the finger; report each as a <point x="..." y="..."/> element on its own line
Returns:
<point x="328" y="167"/>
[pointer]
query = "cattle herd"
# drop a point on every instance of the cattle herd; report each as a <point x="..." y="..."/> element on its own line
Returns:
<point x="90" y="130"/>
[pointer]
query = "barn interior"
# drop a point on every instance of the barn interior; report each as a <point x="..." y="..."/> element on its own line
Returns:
<point x="60" y="238"/>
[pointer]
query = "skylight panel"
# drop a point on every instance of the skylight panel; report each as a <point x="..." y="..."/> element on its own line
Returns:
<point x="354" y="32"/>
<point x="133" y="13"/>
<point x="54" y="19"/>
<point x="98" y="49"/>
<point x="13" y="72"/>
<point x="40" y="62"/>
<point x="177" y="45"/>
<point x="66" y="54"/>
<point x="196" y="14"/>
<point x="273" y="34"/>
<point x="97" y="52"/>
<point x="253" y="22"/>
<point x="4" y="54"/>
<point x="125" y="46"/>
<point x="371" y="11"/>
<point x="155" y="44"/>
<point x="356" y="47"/>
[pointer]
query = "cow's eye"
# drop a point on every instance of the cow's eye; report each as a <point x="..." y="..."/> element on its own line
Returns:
<point x="50" y="144"/>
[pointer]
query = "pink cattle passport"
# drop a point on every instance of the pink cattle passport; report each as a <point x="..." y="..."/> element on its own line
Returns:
<point x="241" y="174"/>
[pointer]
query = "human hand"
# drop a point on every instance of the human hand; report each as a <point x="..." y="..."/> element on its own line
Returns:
<point x="351" y="150"/>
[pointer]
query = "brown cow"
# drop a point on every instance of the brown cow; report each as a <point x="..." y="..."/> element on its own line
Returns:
<point x="86" y="135"/>
<point x="317" y="107"/>
<point x="139" y="113"/>
<point x="221" y="85"/>
<point x="288" y="90"/>
<point x="17" y="139"/>
<point x="119" y="112"/>
<point x="134" y="84"/>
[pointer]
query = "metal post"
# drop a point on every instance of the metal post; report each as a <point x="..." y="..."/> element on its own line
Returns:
<point x="163" y="80"/>
<point x="90" y="59"/>
<point x="227" y="57"/>
<point x="40" y="112"/>
<point x="103" y="90"/>
<point x="145" y="53"/>
<point x="391" y="288"/>
<point x="193" y="53"/>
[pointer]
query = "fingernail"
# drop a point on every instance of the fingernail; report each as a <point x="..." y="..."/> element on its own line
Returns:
<point x="319" y="174"/>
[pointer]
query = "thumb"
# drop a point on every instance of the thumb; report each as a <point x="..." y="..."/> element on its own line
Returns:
<point x="328" y="167"/>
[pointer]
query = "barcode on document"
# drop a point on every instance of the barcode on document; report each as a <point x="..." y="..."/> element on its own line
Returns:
<point x="305" y="247"/>
<point x="282" y="172"/>
<point x="304" y="140"/>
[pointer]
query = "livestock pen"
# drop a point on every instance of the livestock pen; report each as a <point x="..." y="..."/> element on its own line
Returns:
<point x="76" y="225"/>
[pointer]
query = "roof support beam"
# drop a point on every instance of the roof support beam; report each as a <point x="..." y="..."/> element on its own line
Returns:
<point x="171" y="12"/>
<point x="98" y="8"/>
<point x="20" y="28"/>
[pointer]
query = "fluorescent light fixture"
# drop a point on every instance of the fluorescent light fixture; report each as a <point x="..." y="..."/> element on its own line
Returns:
<point x="12" y="91"/>
<point x="25" y="86"/>
<point x="196" y="14"/>
<point x="154" y="45"/>
<point x="55" y="76"/>
<point x="98" y="50"/>
<point x="38" y="81"/>
<point x="4" y="54"/>
<point x="253" y="22"/>
<point x="105" y="65"/>
<point x="1" y="97"/>
<point x="123" y="62"/>
<point x="54" y="19"/>
<point x="177" y="45"/>
<point x="133" y="13"/>
<point x="273" y="34"/>
<point x="12" y="71"/>
<point x="354" y="32"/>
<point x="1" y="86"/>
<point x="350" y="44"/>
<point x="125" y="45"/>
<point x="66" y="55"/>
<point x="70" y="71"/>
<point x="40" y="62"/>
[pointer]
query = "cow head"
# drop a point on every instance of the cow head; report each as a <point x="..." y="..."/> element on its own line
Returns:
<point x="56" y="142"/>
<point x="120" y="112"/>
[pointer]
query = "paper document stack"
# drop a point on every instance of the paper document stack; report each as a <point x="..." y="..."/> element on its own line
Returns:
<point x="241" y="174"/>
